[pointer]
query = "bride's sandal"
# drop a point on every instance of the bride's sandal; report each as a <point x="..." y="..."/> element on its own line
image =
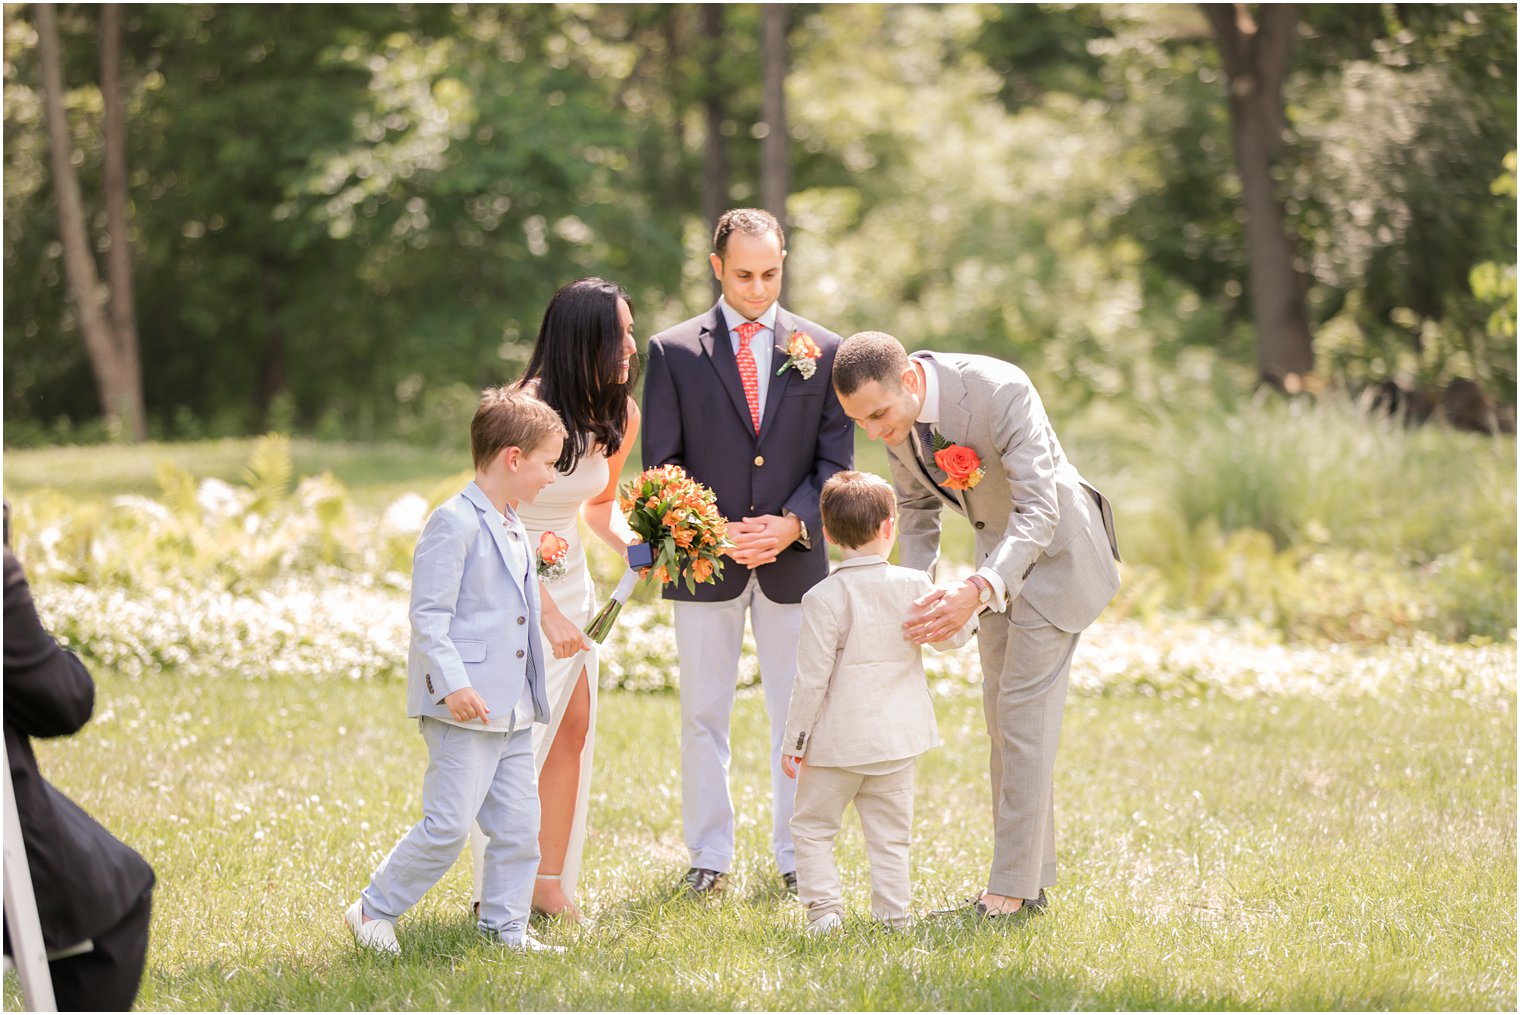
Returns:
<point x="568" y="912"/>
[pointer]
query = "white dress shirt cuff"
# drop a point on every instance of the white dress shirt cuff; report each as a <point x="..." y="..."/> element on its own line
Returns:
<point x="999" y="601"/>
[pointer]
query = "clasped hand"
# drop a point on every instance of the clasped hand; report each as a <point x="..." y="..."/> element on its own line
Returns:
<point x="937" y="615"/>
<point x="761" y="539"/>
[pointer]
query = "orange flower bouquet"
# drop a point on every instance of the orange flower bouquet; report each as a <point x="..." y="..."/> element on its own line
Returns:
<point x="683" y="537"/>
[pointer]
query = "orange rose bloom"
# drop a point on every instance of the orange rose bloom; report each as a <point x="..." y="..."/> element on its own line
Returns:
<point x="958" y="461"/>
<point x="551" y="548"/>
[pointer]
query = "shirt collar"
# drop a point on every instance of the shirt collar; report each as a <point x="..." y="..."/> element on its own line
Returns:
<point x="929" y="411"/>
<point x="509" y="516"/>
<point x="862" y="561"/>
<point x="733" y="318"/>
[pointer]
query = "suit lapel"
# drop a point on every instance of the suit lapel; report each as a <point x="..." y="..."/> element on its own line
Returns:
<point x="780" y="335"/>
<point x="720" y="353"/>
<point x="954" y="418"/>
<point x="906" y="455"/>
<point x="498" y="531"/>
<point x="953" y="423"/>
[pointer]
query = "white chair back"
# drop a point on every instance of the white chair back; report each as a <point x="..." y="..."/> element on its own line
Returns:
<point x="27" y="947"/>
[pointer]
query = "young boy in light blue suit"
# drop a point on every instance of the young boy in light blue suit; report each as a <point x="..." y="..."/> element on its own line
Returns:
<point x="475" y="682"/>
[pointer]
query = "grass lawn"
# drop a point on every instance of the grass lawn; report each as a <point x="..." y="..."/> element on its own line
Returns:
<point x="374" y="472"/>
<point x="1278" y="853"/>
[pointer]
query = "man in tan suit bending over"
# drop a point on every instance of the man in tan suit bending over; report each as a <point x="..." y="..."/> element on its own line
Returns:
<point x="970" y="433"/>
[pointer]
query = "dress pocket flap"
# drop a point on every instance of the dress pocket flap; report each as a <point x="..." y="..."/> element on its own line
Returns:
<point x="471" y="651"/>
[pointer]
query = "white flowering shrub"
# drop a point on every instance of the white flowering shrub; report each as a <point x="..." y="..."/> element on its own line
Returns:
<point x="330" y="625"/>
<point x="317" y="627"/>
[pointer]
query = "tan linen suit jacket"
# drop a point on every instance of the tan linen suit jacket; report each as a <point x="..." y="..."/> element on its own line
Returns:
<point x="860" y="694"/>
<point x="1039" y="524"/>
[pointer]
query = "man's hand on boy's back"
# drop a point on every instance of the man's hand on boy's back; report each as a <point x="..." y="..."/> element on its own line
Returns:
<point x="466" y="704"/>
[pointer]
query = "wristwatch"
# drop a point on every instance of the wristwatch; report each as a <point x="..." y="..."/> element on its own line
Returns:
<point x="983" y="589"/>
<point x="802" y="533"/>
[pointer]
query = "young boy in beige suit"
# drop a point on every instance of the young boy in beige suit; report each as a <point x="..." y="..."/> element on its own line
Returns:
<point x="860" y="710"/>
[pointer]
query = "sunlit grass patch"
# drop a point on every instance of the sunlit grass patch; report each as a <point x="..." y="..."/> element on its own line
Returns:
<point x="1280" y="850"/>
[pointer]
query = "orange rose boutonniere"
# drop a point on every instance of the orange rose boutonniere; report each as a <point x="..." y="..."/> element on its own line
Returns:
<point x="801" y="354"/>
<point x="962" y="467"/>
<point x="551" y="557"/>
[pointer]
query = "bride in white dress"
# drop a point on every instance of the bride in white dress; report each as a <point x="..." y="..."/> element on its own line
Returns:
<point x="581" y="366"/>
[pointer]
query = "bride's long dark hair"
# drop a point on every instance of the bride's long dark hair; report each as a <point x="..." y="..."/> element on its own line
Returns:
<point x="576" y="361"/>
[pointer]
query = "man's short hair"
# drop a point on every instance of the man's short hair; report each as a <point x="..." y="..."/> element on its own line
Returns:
<point x="509" y="417"/>
<point x="868" y="356"/>
<point x="854" y="504"/>
<point x="750" y="222"/>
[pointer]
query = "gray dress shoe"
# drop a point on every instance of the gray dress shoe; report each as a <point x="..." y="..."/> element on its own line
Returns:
<point x="701" y="881"/>
<point x="976" y="909"/>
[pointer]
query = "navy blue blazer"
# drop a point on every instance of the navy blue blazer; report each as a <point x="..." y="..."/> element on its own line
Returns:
<point x="696" y="416"/>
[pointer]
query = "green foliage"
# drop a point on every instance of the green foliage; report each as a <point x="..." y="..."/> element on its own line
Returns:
<point x="346" y="216"/>
<point x="1324" y="523"/>
<point x="268" y="473"/>
<point x="215" y="535"/>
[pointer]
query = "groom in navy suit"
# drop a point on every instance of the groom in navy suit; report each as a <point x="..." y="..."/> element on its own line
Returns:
<point x="740" y="397"/>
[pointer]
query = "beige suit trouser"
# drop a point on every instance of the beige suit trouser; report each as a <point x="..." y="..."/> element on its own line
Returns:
<point x="884" y="804"/>
<point x="1026" y="666"/>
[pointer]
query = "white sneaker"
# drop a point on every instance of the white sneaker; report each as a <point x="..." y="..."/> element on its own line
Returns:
<point x="826" y="924"/>
<point x="526" y="943"/>
<point x="376" y="935"/>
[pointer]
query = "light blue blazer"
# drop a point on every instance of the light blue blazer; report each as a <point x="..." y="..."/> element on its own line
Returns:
<point x="472" y="624"/>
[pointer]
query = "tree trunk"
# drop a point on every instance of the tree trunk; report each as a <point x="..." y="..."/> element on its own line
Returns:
<point x="1256" y="56"/>
<point x="78" y="259"/>
<point x="119" y="264"/>
<point x="715" y="148"/>
<point x="272" y="376"/>
<point x="775" y="164"/>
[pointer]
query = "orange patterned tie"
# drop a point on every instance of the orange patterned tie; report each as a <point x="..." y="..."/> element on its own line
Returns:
<point x="747" y="370"/>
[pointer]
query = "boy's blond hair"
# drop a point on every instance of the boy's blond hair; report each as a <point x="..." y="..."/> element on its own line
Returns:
<point x="854" y="504"/>
<point x="511" y="418"/>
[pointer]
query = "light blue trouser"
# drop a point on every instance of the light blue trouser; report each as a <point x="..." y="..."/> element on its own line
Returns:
<point x="472" y="775"/>
<point x="709" y="637"/>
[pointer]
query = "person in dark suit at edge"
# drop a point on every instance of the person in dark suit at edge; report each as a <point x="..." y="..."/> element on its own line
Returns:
<point x="93" y="891"/>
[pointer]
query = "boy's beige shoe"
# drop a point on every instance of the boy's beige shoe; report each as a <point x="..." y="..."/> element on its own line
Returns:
<point x="826" y="924"/>
<point x="376" y="935"/>
<point x="526" y="943"/>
